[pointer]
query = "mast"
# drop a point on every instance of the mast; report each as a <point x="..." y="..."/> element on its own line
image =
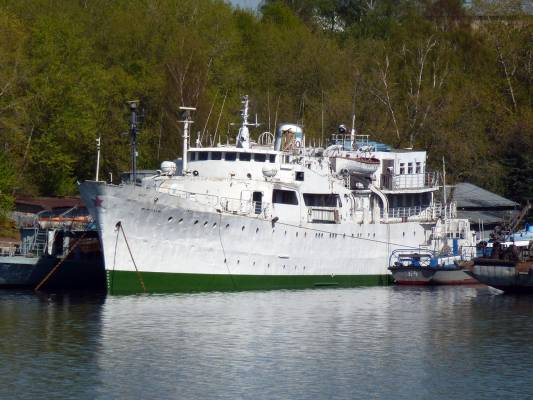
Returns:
<point x="243" y="138"/>
<point x="444" y="184"/>
<point x="133" y="138"/>
<point x="97" y="158"/>
<point x="186" y="121"/>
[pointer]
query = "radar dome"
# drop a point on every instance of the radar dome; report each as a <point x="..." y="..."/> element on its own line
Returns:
<point x="269" y="171"/>
<point x="168" y="168"/>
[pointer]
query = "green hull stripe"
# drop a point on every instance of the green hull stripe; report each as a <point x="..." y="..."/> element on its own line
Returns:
<point x="124" y="282"/>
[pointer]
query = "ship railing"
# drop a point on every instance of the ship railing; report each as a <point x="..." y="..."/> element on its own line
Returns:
<point x="9" y="249"/>
<point x="422" y="213"/>
<point x="323" y="214"/>
<point x="224" y="204"/>
<point x="424" y="257"/>
<point x="244" y="207"/>
<point x="410" y="181"/>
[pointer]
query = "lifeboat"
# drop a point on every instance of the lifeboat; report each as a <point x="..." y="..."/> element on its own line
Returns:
<point x="356" y="165"/>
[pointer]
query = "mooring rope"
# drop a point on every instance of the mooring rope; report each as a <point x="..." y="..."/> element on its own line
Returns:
<point x="119" y="224"/>
<point x="224" y="251"/>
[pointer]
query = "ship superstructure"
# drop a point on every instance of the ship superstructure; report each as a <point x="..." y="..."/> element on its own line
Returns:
<point x="271" y="214"/>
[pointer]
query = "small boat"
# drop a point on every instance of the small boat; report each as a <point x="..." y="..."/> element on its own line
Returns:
<point x="425" y="267"/>
<point x="60" y="258"/>
<point x="348" y="164"/>
<point x="509" y="266"/>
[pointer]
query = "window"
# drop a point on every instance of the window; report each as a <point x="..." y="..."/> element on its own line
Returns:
<point x="402" y="168"/>
<point x="321" y="199"/>
<point x="410" y="168"/>
<point x="418" y="167"/>
<point x="230" y="156"/>
<point x="299" y="176"/>
<point x="245" y="157"/>
<point x="216" y="155"/>
<point x="284" y="197"/>
<point x="272" y="158"/>
<point x="202" y="155"/>
<point x="260" y="157"/>
<point x="193" y="156"/>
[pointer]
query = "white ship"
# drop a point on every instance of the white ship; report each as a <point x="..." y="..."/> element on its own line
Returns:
<point x="270" y="214"/>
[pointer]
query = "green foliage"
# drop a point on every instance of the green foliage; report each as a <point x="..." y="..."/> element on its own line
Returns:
<point x="7" y="183"/>
<point x="423" y="74"/>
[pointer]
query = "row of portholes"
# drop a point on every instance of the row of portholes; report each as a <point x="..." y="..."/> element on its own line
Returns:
<point x="195" y="222"/>
<point x="317" y="235"/>
<point x="284" y="266"/>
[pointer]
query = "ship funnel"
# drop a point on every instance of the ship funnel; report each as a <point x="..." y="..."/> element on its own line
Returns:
<point x="289" y="129"/>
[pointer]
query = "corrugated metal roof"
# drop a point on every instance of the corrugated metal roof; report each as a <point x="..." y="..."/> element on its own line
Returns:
<point x="471" y="196"/>
<point x="49" y="203"/>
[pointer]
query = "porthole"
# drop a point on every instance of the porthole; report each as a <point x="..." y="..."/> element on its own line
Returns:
<point x="180" y="221"/>
<point x="242" y="229"/>
<point x="296" y="234"/>
<point x="205" y="223"/>
<point x="170" y="219"/>
<point x="256" y="230"/>
<point x="238" y="261"/>
<point x="227" y="226"/>
<point x="214" y="224"/>
<point x="285" y="233"/>
<point x="195" y="222"/>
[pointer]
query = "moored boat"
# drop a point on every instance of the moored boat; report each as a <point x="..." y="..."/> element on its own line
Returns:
<point x="509" y="266"/>
<point x="59" y="257"/>
<point x="415" y="267"/>
<point x="254" y="215"/>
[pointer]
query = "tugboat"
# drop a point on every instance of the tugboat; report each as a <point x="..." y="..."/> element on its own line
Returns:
<point x="509" y="266"/>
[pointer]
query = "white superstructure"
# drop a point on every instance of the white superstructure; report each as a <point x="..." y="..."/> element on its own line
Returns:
<point x="276" y="215"/>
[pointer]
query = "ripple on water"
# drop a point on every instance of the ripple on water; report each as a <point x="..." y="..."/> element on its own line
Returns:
<point x="385" y="342"/>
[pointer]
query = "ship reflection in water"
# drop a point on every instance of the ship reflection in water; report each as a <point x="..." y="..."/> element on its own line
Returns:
<point x="382" y="342"/>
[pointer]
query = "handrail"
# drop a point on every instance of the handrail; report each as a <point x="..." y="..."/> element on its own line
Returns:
<point x="410" y="181"/>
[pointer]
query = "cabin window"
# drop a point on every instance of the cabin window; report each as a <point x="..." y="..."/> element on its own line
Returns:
<point x="402" y="168"/>
<point x="245" y="157"/>
<point x="418" y="167"/>
<point x="260" y="157"/>
<point x="230" y="156"/>
<point x="410" y="168"/>
<point x="216" y="155"/>
<point x="193" y="156"/>
<point x="202" y="155"/>
<point x="284" y="197"/>
<point x="321" y="200"/>
<point x="299" y="176"/>
<point x="272" y="158"/>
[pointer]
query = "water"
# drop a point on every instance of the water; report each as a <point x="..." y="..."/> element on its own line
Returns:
<point x="367" y="343"/>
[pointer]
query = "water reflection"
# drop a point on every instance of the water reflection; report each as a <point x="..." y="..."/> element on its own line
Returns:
<point x="48" y="345"/>
<point x="392" y="342"/>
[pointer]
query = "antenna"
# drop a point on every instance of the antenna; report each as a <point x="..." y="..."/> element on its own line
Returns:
<point x="185" y="119"/>
<point x="133" y="104"/>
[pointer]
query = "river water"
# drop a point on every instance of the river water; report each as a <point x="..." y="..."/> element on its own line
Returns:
<point x="363" y="343"/>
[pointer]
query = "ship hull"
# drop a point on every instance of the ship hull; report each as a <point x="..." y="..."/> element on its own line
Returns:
<point x="430" y="276"/>
<point x="156" y="242"/>
<point x="508" y="276"/>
